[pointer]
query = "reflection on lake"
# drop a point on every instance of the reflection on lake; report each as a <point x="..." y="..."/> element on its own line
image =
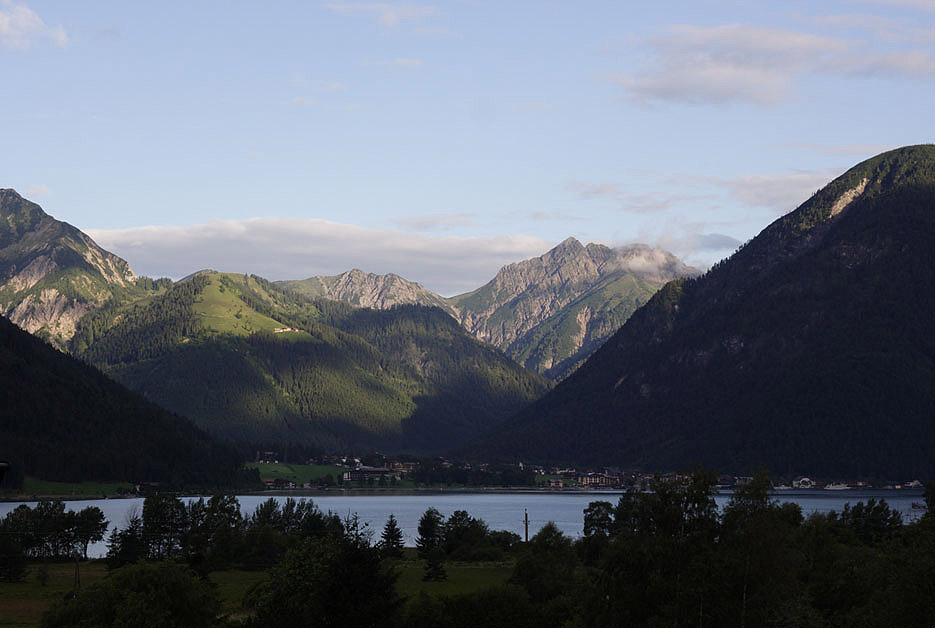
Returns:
<point x="500" y="510"/>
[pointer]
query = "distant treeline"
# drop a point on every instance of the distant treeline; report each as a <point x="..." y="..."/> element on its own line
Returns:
<point x="434" y="472"/>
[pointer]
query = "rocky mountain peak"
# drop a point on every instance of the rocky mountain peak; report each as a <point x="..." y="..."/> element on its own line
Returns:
<point x="51" y="274"/>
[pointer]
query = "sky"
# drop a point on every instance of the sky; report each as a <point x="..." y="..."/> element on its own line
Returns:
<point x="442" y="140"/>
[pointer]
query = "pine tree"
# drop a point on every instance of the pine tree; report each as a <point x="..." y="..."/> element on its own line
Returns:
<point x="435" y="565"/>
<point x="391" y="541"/>
<point x="430" y="532"/>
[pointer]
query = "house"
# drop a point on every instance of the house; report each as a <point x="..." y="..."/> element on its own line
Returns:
<point x="597" y="480"/>
<point x="556" y="483"/>
<point x="362" y="473"/>
<point x="404" y="467"/>
<point x="278" y="483"/>
<point x="268" y="457"/>
<point x="803" y="482"/>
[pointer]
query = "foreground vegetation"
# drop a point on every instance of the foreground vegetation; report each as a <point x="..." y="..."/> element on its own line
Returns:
<point x="665" y="558"/>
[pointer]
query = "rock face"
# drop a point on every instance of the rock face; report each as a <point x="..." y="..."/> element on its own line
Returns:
<point x="361" y="289"/>
<point x="810" y="350"/>
<point x="52" y="274"/>
<point x="547" y="313"/>
<point x="550" y="312"/>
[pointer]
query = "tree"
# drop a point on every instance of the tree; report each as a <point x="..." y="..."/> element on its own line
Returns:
<point x="333" y="581"/>
<point x="391" y="541"/>
<point x="126" y="545"/>
<point x="435" y="565"/>
<point x="90" y="527"/>
<point x="598" y="519"/>
<point x="547" y="554"/>
<point x="759" y="562"/>
<point x="12" y="559"/>
<point x="871" y="522"/>
<point x="466" y="538"/>
<point x="430" y="532"/>
<point x="166" y="595"/>
<point x="163" y="525"/>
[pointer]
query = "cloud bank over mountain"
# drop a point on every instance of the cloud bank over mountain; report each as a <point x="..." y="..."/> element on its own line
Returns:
<point x="295" y="248"/>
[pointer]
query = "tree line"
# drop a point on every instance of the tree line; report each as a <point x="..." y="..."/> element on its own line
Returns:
<point x="663" y="558"/>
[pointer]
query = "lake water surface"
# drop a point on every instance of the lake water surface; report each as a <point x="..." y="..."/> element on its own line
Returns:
<point x="499" y="509"/>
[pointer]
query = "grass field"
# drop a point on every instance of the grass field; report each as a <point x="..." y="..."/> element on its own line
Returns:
<point x="23" y="603"/>
<point x="232" y="586"/>
<point x="462" y="578"/>
<point x="298" y="473"/>
<point x="221" y="310"/>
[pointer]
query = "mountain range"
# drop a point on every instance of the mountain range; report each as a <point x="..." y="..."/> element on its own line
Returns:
<point x="356" y="359"/>
<point x="547" y="313"/>
<point x="810" y="349"/>
<point x="248" y="361"/>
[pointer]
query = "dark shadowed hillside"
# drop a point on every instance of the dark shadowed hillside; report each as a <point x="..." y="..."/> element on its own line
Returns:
<point x="811" y="349"/>
<point x="63" y="420"/>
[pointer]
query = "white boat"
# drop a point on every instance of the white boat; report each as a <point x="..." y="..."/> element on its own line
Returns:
<point x="837" y="487"/>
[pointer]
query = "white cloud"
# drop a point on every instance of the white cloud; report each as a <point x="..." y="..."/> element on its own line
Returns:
<point x="633" y="203"/>
<point x="719" y="64"/>
<point x="37" y="190"/>
<point x="543" y="216"/>
<point x="918" y="5"/>
<point x="697" y="243"/>
<point x="754" y="64"/>
<point x="904" y="63"/>
<point x="405" y="62"/>
<point x="586" y="189"/>
<point x="779" y="193"/>
<point x="435" y="222"/>
<point x="331" y="86"/>
<point x="880" y="28"/>
<point x="389" y="15"/>
<point x="293" y="248"/>
<point x="21" y="27"/>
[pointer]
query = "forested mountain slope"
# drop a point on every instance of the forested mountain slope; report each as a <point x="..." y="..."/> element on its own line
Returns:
<point x="63" y="420"/>
<point x="809" y="350"/>
<point x="249" y="361"/>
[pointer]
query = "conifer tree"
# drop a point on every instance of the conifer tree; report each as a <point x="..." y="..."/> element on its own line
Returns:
<point x="430" y="532"/>
<point x="391" y="541"/>
<point x="435" y="565"/>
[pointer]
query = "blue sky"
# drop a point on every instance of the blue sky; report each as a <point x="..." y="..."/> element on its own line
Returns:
<point x="440" y="140"/>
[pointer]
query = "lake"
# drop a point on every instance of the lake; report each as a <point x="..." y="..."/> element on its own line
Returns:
<point x="501" y="510"/>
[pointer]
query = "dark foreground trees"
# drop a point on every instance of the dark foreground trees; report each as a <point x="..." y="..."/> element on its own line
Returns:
<point x="663" y="558"/>
<point x="46" y="532"/>
<point x="160" y="595"/>
<point x="337" y="580"/>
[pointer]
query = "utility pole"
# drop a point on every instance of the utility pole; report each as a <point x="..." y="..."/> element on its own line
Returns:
<point x="526" y="523"/>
